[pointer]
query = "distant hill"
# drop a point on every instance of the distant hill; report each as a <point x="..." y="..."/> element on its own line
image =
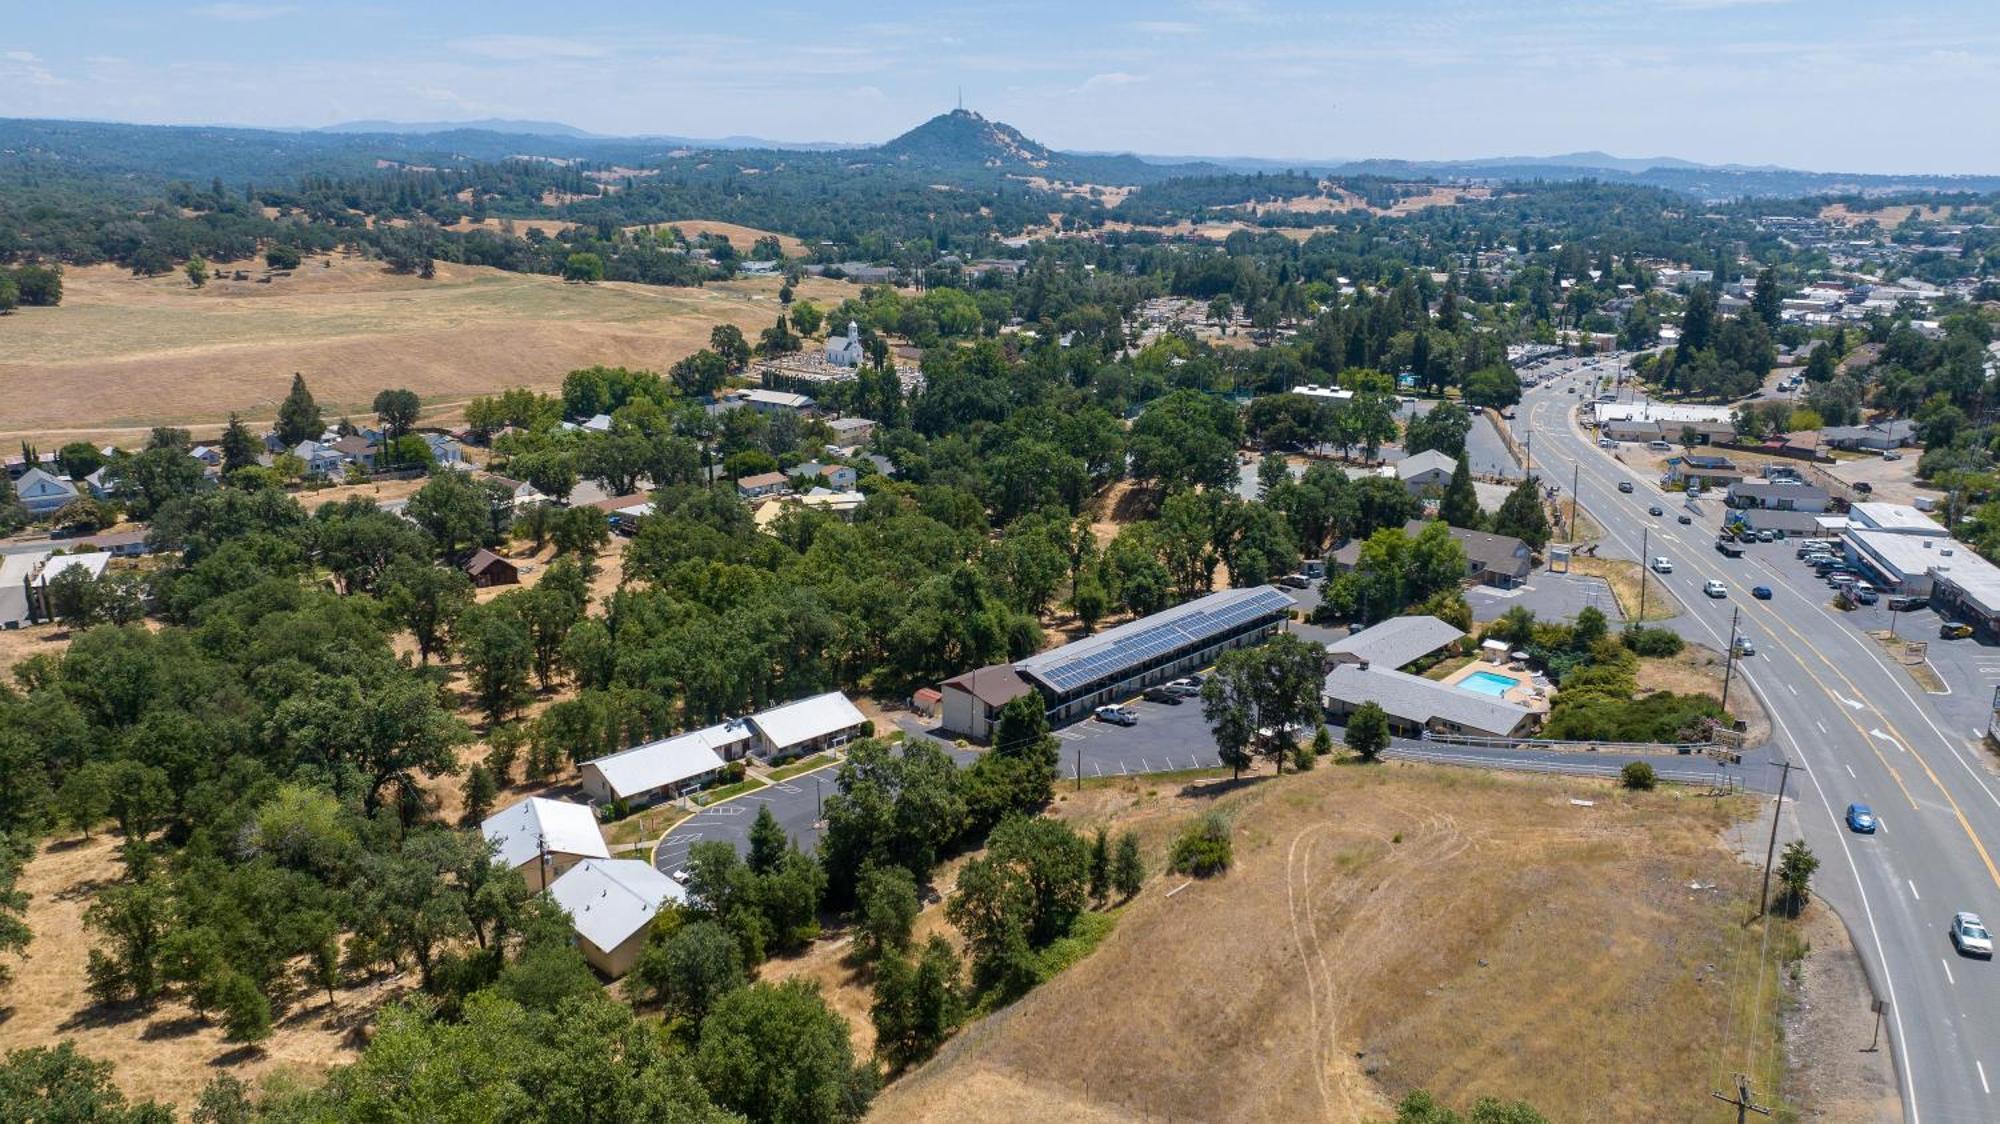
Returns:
<point x="485" y="125"/>
<point x="964" y="140"/>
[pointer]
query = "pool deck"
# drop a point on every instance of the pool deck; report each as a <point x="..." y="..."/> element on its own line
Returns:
<point x="1523" y="693"/>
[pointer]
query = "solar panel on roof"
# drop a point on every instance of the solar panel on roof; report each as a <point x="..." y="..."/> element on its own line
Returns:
<point x="1122" y="649"/>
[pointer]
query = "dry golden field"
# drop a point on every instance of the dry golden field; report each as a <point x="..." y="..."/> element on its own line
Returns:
<point x="124" y="353"/>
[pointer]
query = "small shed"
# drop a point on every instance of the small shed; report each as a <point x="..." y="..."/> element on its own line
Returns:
<point x="1493" y="651"/>
<point x="489" y="569"/>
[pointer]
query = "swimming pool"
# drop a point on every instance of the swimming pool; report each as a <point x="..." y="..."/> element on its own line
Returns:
<point x="1487" y="683"/>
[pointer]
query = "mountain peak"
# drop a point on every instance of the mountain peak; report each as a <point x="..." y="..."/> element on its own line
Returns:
<point x="963" y="136"/>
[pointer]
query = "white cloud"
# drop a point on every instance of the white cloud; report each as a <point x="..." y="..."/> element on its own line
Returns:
<point x="26" y="68"/>
<point x="244" y="13"/>
<point x="1107" y="81"/>
<point x="522" y="48"/>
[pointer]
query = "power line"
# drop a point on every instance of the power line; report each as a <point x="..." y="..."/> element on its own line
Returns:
<point x="1744" y="1100"/>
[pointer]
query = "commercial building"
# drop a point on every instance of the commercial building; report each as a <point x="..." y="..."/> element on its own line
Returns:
<point x="1364" y="668"/>
<point x="611" y="905"/>
<point x="1778" y="495"/>
<point x="542" y="838"/>
<point x="667" y="767"/>
<point x="1646" y="420"/>
<point x="777" y="401"/>
<point x="1899" y="518"/>
<point x="1115" y="664"/>
<point x="1966" y="587"/>
<point x="1900" y="563"/>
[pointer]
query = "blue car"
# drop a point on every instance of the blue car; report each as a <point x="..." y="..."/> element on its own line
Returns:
<point x="1761" y="592"/>
<point x="1860" y="819"/>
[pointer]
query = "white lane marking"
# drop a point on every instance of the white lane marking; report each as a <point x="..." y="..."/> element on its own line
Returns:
<point x="1976" y="1064"/>
<point x="1913" y="889"/>
<point x="1850" y="771"/>
<point x="1948" y="977"/>
<point x="1978" y="733"/>
<point x="1851" y="704"/>
<point x="1822" y="726"/>
<point x="1792" y="689"/>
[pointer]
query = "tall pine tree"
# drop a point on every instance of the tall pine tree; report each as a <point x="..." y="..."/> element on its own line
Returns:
<point x="1460" y="505"/>
<point x="298" y="416"/>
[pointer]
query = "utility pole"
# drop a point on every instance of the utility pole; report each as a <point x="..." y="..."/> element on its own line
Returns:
<point x="819" y="806"/>
<point x="1771" y="849"/>
<point x="1645" y="537"/>
<point x="1729" y="661"/>
<point x="1743" y="1100"/>
<point x="1529" y="470"/>
<point x="1079" y="770"/>
<point x="1575" y="478"/>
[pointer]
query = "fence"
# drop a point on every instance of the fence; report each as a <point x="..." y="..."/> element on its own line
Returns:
<point x="1555" y="745"/>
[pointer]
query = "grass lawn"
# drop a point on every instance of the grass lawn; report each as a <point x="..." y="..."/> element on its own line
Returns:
<point x="803" y="765"/>
<point x="642" y="826"/>
<point x="717" y="795"/>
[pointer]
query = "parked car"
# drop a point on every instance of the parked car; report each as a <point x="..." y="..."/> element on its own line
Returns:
<point x="1606" y="443"/>
<point x="1891" y="455"/>
<point x="1954" y="630"/>
<point x="1865" y="593"/>
<point x="1184" y="687"/>
<point x="1662" y="566"/>
<point x="1295" y="581"/>
<point x="1864" y="487"/>
<point x="1861" y="819"/>
<point x="1116" y="715"/>
<point x="1625" y="486"/>
<point x="1715" y="588"/>
<point x="1761" y="592"/>
<point x="1162" y="695"/>
<point x="1906" y="604"/>
<point x="1840" y="578"/>
<point x="1969" y="935"/>
<point x="1655" y="510"/>
<point x="1767" y="535"/>
<point x="1684" y="519"/>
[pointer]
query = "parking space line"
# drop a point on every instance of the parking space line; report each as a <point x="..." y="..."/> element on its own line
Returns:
<point x="1981" y="1067"/>
<point x="1913" y="889"/>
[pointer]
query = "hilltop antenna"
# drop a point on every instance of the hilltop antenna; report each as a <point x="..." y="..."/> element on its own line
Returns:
<point x="961" y="99"/>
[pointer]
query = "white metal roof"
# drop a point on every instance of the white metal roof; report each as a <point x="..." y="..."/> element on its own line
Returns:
<point x="807" y="719"/>
<point x="1415" y="699"/>
<point x="1646" y="410"/>
<point x="1906" y="555"/>
<point x="92" y="563"/>
<point x="784" y="398"/>
<point x="520" y="831"/>
<point x="608" y="900"/>
<point x="1397" y="641"/>
<point x="1424" y="462"/>
<point x="657" y="764"/>
<point x="1898" y="517"/>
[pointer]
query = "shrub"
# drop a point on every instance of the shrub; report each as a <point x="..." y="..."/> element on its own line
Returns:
<point x="1204" y="848"/>
<point x="1653" y="643"/>
<point x="1638" y="776"/>
<point x="734" y="771"/>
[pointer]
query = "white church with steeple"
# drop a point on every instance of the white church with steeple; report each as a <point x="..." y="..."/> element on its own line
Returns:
<point x="845" y="351"/>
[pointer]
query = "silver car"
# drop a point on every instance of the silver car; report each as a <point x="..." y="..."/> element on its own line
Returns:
<point x="1969" y="935"/>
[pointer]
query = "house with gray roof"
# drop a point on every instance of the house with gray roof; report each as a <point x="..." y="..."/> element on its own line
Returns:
<point x="1892" y="434"/>
<point x="43" y="492"/>
<point x="1363" y="668"/>
<point x="611" y="905"/>
<point x="1394" y="642"/>
<point x="1426" y="471"/>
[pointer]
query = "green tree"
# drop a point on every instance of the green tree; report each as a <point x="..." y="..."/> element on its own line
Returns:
<point x="1258" y="699"/>
<point x="246" y="1014"/>
<point x="1420" y="1107"/>
<point x="585" y="267"/>
<point x="1128" y="870"/>
<point x="1522" y="516"/>
<point x="1367" y="731"/>
<point x="768" y="842"/>
<point x="428" y="600"/>
<point x="1638" y="776"/>
<point x="283" y="257"/>
<point x="806" y="318"/>
<point x="84" y="799"/>
<point x="727" y="341"/>
<point x="886" y="911"/>
<point x="916" y="1005"/>
<point x="58" y="1085"/>
<point x="1795" y="871"/>
<point x="498" y="652"/>
<point x="299" y="416"/>
<point x="240" y="448"/>
<point x="397" y="410"/>
<point x="1026" y="891"/>
<point x="1444" y="428"/>
<point x="1495" y="388"/>
<point x="454" y="511"/>
<point x="778" y="1052"/>
<point x="480" y="791"/>
<point x="1460" y="505"/>
<point x="688" y="969"/>
<point x="1322" y="743"/>
<point x="1100" y="865"/>
<point x="196" y="270"/>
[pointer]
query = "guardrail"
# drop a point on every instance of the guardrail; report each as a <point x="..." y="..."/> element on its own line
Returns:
<point x="1471" y="741"/>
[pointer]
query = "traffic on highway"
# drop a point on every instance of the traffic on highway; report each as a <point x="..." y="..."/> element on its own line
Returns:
<point x="1859" y="732"/>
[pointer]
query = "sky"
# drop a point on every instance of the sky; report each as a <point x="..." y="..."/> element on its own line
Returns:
<point x="1833" y="85"/>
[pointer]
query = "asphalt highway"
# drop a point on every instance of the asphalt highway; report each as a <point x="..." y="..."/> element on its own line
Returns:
<point x="1856" y="727"/>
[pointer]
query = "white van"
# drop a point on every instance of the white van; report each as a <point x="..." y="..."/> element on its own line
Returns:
<point x="1659" y="446"/>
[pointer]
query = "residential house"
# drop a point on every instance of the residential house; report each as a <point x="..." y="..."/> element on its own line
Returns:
<point x="1501" y="561"/>
<point x="487" y="569"/>
<point x="846" y="351"/>
<point x="520" y="494"/>
<point x="542" y="838"/>
<point x="446" y="452"/>
<point x="17" y="573"/>
<point x="971" y="702"/>
<point x="807" y="726"/>
<point x="667" y="767"/>
<point x="319" y="458"/>
<point x="43" y="492"/>
<point x="1879" y="436"/>
<point x="207" y="454"/>
<point x="1778" y="495"/>
<point x="838" y="477"/>
<point x="100" y="483"/>
<point x="611" y="905"/>
<point x="762" y="484"/>
<point x="119" y="544"/>
<point x="851" y="431"/>
<point x="777" y="401"/>
<point x="356" y="449"/>
<point x="1703" y="471"/>
<point x="1427" y="471"/>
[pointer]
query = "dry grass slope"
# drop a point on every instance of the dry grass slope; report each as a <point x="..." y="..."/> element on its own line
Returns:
<point x="124" y="353"/>
<point x="1388" y="929"/>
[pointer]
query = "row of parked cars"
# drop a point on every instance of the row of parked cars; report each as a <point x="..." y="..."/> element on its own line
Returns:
<point x="1172" y="694"/>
